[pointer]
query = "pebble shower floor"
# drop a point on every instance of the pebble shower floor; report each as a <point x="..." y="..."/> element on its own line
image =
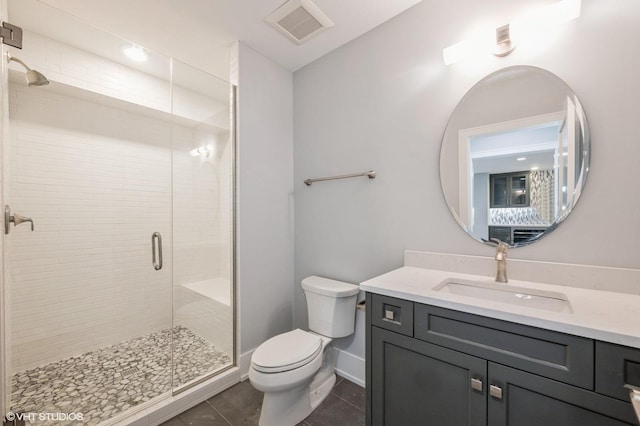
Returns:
<point x="102" y="383"/>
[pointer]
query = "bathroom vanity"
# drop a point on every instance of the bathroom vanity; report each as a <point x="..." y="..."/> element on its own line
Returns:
<point x="445" y="344"/>
<point x="443" y="349"/>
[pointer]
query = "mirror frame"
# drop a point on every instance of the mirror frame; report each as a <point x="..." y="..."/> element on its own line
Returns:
<point x="581" y="121"/>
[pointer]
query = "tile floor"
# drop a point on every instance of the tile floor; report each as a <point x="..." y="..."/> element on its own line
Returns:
<point x="107" y="381"/>
<point x="240" y="405"/>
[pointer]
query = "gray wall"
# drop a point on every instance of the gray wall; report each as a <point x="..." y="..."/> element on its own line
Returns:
<point x="383" y="100"/>
<point x="265" y="207"/>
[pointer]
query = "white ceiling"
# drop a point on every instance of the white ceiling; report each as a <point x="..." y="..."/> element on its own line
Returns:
<point x="200" y="32"/>
<point x="499" y="152"/>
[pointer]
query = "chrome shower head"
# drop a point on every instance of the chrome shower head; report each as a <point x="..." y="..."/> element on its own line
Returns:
<point x="34" y="78"/>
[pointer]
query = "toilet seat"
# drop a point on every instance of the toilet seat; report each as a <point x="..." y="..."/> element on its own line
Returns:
<point x="286" y="352"/>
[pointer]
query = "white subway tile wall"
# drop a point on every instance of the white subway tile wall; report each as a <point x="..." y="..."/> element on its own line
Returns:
<point x="203" y="236"/>
<point x="65" y="64"/>
<point x="97" y="181"/>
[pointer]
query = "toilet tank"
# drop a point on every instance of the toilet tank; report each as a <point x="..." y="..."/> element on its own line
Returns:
<point x="331" y="305"/>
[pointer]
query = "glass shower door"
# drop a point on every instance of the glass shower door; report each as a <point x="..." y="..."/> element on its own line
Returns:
<point x="203" y="165"/>
<point x="88" y="158"/>
<point x="123" y="291"/>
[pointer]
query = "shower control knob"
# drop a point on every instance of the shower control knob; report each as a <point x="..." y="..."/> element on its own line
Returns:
<point x="16" y="219"/>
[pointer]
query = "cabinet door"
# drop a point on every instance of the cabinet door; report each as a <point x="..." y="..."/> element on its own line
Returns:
<point x="509" y="190"/>
<point x="519" y="190"/>
<point x="523" y="399"/>
<point x="417" y="383"/>
<point x="499" y="191"/>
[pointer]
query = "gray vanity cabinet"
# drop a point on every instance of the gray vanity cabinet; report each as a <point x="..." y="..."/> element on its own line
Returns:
<point x="433" y="366"/>
<point x="420" y="383"/>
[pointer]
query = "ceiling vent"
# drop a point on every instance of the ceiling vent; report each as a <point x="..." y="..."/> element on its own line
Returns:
<point x="299" y="20"/>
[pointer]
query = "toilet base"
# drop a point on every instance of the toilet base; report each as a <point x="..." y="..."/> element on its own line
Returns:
<point x="291" y="407"/>
<point x="316" y="397"/>
<point x="321" y="386"/>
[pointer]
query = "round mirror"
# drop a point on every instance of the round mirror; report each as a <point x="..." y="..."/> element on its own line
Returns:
<point x="515" y="156"/>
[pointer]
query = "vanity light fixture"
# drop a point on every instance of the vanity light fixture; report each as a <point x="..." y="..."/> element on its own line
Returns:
<point x="504" y="44"/>
<point x="504" y="39"/>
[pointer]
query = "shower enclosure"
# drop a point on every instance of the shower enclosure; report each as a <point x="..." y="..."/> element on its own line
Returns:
<point x="122" y="293"/>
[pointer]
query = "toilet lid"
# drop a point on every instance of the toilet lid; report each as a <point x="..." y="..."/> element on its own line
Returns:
<point x="286" y="351"/>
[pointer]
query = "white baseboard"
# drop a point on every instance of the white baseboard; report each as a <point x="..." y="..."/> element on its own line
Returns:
<point x="350" y="367"/>
<point x="245" y="364"/>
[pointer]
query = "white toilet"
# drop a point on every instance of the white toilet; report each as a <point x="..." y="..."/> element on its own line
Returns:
<point x="293" y="369"/>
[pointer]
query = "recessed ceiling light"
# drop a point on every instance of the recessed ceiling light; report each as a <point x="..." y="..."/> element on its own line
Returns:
<point x="535" y="168"/>
<point x="521" y="158"/>
<point x="135" y="53"/>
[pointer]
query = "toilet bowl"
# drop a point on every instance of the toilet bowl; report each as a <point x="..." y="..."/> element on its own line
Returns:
<point x="295" y="370"/>
<point x="289" y="394"/>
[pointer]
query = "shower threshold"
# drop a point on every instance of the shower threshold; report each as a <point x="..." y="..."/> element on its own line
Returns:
<point x="108" y="381"/>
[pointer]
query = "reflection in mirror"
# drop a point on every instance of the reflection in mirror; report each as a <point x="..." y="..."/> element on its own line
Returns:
<point x="514" y="156"/>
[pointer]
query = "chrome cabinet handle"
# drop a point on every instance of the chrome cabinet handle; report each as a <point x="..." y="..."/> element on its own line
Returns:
<point x="495" y="391"/>
<point x="16" y="219"/>
<point x="476" y="385"/>
<point x="156" y="245"/>
<point x="634" y="395"/>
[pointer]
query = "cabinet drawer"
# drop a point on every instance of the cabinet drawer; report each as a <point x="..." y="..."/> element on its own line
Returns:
<point x="616" y="366"/>
<point x="558" y="356"/>
<point x="392" y="314"/>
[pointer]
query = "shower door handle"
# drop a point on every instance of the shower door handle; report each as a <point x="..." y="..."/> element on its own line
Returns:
<point x="156" y="247"/>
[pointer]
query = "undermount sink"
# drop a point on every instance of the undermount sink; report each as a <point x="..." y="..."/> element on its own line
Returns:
<point x="507" y="293"/>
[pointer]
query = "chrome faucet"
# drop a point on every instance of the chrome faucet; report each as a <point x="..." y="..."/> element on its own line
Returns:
<point x="634" y="394"/>
<point x="501" y="257"/>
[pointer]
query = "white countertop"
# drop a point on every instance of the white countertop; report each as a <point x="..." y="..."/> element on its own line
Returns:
<point x="602" y="315"/>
